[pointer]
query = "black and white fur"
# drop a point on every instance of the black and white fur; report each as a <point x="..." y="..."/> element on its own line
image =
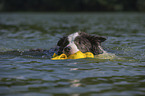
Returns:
<point x="80" y="41"/>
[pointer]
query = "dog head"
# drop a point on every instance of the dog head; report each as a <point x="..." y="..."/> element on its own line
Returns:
<point x="80" y="41"/>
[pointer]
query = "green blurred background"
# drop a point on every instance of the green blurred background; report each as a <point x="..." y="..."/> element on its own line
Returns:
<point x="72" y="5"/>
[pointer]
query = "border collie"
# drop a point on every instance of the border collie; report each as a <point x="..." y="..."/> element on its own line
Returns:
<point x="80" y="41"/>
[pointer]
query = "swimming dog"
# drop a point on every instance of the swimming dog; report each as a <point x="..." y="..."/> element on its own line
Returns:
<point x="80" y="41"/>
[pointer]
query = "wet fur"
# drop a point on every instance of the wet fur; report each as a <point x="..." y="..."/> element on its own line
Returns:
<point x="85" y="43"/>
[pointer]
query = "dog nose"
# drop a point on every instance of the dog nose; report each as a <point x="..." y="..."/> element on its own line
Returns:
<point x="67" y="49"/>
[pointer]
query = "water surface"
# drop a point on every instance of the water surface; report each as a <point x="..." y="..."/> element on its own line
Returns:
<point x="28" y="75"/>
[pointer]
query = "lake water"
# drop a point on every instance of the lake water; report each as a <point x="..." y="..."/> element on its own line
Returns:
<point x="27" y="75"/>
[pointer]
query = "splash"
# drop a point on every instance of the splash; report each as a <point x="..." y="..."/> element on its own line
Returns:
<point x="106" y="55"/>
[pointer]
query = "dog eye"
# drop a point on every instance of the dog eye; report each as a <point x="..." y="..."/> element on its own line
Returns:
<point x="63" y="42"/>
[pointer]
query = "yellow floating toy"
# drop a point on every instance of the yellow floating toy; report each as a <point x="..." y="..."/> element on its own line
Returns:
<point x="77" y="55"/>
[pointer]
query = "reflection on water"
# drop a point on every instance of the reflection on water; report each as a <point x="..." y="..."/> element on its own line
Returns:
<point x="119" y="71"/>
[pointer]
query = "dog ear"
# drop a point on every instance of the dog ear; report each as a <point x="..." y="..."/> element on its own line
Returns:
<point x="96" y="44"/>
<point x="101" y="38"/>
<point x="94" y="38"/>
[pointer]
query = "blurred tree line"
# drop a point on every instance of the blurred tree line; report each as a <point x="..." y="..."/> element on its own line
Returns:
<point x="72" y="5"/>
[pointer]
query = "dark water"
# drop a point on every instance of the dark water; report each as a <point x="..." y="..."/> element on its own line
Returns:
<point x="27" y="75"/>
